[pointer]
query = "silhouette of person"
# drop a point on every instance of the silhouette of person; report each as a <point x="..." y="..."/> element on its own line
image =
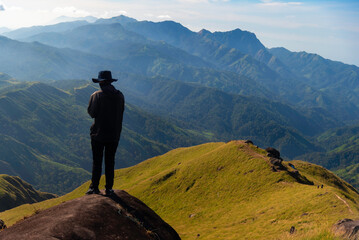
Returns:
<point x="106" y="106"/>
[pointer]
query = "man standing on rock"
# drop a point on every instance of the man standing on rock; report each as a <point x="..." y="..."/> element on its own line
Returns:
<point x="106" y="106"/>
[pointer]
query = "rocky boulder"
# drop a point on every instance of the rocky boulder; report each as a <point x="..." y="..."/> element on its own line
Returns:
<point x="120" y="216"/>
<point x="273" y="153"/>
<point x="275" y="159"/>
<point x="2" y="225"/>
<point x="347" y="228"/>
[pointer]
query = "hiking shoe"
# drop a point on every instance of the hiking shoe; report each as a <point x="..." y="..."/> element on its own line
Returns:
<point x="109" y="192"/>
<point x="93" y="191"/>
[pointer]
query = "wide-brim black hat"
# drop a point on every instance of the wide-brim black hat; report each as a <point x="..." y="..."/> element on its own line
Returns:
<point x="104" y="76"/>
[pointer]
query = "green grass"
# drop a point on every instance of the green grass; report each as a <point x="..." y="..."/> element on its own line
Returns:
<point x="228" y="191"/>
<point x="15" y="192"/>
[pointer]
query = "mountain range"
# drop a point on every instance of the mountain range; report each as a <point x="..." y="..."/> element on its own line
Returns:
<point x="182" y="87"/>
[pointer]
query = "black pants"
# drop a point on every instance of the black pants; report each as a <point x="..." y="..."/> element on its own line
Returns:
<point x="98" y="148"/>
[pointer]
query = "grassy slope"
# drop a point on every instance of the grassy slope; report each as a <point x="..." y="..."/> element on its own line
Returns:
<point x="228" y="191"/>
<point x="15" y="192"/>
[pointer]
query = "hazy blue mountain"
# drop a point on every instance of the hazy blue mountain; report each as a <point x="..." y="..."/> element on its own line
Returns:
<point x="247" y="42"/>
<point x="36" y="61"/>
<point x="124" y="50"/>
<point x="200" y="45"/>
<point x="4" y="76"/>
<point x="216" y="48"/>
<point x="219" y="50"/>
<point x="4" y="29"/>
<point x="318" y="71"/>
<point x="5" y="80"/>
<point x="244" y="41"/>
<point x="225" y="51"/>
<point x="114" y="42"/>
<point x="119" y="19"/>
<point x="332" y="77"/>
<point x="225" y="115"/>
<point x="141" y="56"/>
<point x="22" y="33"/>
<point x="62" y="19"/>
<point x="234" y="51"/>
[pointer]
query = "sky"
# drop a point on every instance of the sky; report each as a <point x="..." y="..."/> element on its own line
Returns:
<point x="329" y="28"/>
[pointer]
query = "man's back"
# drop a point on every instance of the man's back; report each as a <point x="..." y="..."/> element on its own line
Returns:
<point x="107" y="107"/>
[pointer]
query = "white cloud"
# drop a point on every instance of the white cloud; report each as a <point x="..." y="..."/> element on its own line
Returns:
<point x="109" y="14"/>
<point x="202" y="1"/>
<point x="193" y="1"/>
<point x="150" y="15"/>
<point x="279" y="4"/>
<point x="286" y="22"/>
<point x="70" y="11"/>
<point x="164" y="17"/>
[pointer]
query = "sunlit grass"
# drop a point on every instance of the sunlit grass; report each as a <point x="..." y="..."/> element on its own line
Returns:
<point x="228" y="191"/>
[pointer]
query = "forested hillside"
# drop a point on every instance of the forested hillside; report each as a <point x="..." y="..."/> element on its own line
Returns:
<point x="15" y="192"/>
<point x="45" y="135"/>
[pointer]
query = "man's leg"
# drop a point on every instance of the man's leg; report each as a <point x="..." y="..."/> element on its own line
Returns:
<point x="97" y="155"/>
<point x="110" y="151"/>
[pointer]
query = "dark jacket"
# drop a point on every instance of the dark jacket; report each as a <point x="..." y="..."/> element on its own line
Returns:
<point x="106" y="106"/>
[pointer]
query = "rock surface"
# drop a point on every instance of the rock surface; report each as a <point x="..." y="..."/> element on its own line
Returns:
<point x="272" y="152"/>
<point x="347" y="228"/>
<point x="120" y="216"/>
<point x="2" y="224"/>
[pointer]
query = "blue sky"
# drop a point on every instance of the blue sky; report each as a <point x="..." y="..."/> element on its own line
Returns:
<point x="328" y="27"/>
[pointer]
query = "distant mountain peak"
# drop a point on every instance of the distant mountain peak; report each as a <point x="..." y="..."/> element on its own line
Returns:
<point x="25" y="32"/>
<point x="122" y="19"/>
<point x="4" y="77"/>
<point x="204" y="32"/>
<point x="62" y="19"/>
<point x="4" y="29"/>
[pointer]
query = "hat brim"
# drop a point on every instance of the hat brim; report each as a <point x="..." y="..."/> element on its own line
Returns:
<point x="97" y="80"/>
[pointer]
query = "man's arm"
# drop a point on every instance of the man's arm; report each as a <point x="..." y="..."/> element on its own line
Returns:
<point x="121" y="110"/>
<point x="93" y="105"/>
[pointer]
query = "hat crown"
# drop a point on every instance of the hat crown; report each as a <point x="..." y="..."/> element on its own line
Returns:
<point x="105" y="75"/>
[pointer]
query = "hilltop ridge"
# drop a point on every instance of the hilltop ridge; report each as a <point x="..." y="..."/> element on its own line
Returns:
<point x="230" y="190"/>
